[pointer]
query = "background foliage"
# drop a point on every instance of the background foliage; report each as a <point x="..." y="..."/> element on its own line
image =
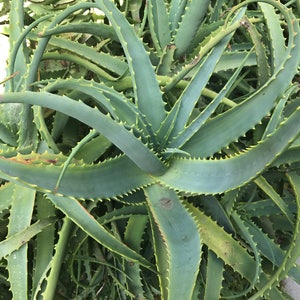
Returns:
<point x="150" y="149"/>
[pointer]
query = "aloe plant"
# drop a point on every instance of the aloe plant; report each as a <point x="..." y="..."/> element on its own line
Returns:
<point x="151" y="150"/>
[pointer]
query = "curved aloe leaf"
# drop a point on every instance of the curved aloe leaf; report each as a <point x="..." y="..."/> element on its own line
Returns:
<point x="223" y="244"/>
<point x="97" y="29"/>
<point x="214" y="276"/>
<point x="179" y="115"/>
<point x="133" y="237"/>
<point x="105" y="180"/>
<point x="270" y="191"/>
<point x="101" y="59"/>
<point x="19" y="220"/>
<point x="43" y="42"/>
<point x="17" y="240"/>
<point x="255" y="107"/>
<point x="293" y="251"/>
<point x="194" y="12"/>
<point x="148" y="94"/>
<point x="270" y="250"/>
<point x="187" y="131"/>
<point x="114" y="102"/>
<point x="81" y="217"/>
<point x="217" y="176"/>
<point x="228" y="249"/>
<point x="159" y="24"/>
<point x="180" y="237"/>
<point x="113" y="131"/>
<point x="275" y="33"/>
<point x="263" y="68"/>
<point x="44" y="242"/>
<point x="19" y="58"/>
<point x="51" y="272"/>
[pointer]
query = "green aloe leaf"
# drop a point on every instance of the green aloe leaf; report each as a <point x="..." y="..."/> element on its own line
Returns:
<point x="109" y="179"/>
<point x="148" y="96"/>
<point x="98" y="29"/>
<point x="180" y="113"/>
<point x="113" y="102"/>
<point x="17" y="240"/>
<point x="19" y="220"/>
<point x="133" y="237"/>
<point x="270" y="250"/>
<point x="275" y="33"/>
<point x="187" y="131"/>
<point x="293" y="252"/>
<point x="269" y="190"/>
<point x="178" y="233"/>
<point x="44" y="244"/>
<point x="159" y="24"/>
<point x="80" y="216"/>
<point x="194" y="12"/>
<point x="102" y="59"/>
<point x="223" y="244"/>
<point x="219" y="175"/>
<point x="255" y="107"/>
<point x="214" y="277"/>
<point x="113" y="131"/>
<point x="6" y="191"/>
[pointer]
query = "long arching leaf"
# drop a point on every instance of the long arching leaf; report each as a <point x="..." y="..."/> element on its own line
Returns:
<point x="125" y="140"/>
<point x="148" y="95"/>
<point x="216" y="176"/>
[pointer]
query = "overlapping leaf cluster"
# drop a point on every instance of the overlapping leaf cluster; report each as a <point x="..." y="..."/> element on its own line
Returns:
<point x="149" y="149"/>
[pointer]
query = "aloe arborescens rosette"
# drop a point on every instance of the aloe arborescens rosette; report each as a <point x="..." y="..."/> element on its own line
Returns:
<point x="167" y="117"/>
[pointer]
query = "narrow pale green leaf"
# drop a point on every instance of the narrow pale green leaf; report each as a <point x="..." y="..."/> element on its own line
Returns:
<point x="102" y="59"/>
<point x="270" y="250"/>
<point x="187" y="131"/>
<point x="113" y="102"/>
<point x="220" y="175"/>
<point x="263" y="67"/>
<point x="232" y="60"/>
<point x="52" y="275"/>
<point x="276" y="37"/>
<point x="148" y="95"/>
<point x="192" y="16"/>
<point x="214" y="277"/>
<point x="93" y="149"/>
<point x="178" y="117"/>
<point x="182" y="240"/>
<point x="159" y="24"/>
<point x="269" y="190"/>
<point x="19" y="220"/>
<point x="16" y="25"/>
<point x="98" y="29"/>
<point x="293" y="252"/>
<point x="16" y="241"/>
<point x="109" y="179"/>
<point x="80" y="216"/>
<point x="44" y="243"/>
<point x="244" y="232"/>
<point x="43" y="42"/>
<point x="223" y="244"/>
<point x="255" y="107"/>
<point x="113" y="131"/>
<point x="133" y="237"/>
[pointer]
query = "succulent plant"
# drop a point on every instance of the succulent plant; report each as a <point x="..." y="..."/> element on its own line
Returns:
<point x="152" y="149"/>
